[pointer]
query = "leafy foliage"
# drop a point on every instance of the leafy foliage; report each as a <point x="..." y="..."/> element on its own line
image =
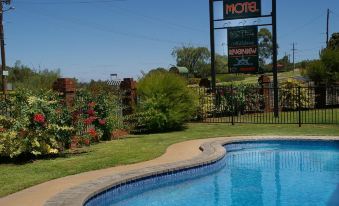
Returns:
<point x="325" y="70"/>
<point x="294" y="94"/>
<point x="197" y="60"/>
<point x="37" y="125"/>
<point x="22" y="76"/>
<point x="265" y="45"/>
<point x="96" y="115"/>
<point x="166" y="100"/>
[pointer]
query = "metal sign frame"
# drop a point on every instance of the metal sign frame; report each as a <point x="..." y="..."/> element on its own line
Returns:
<point x="273" y="16"/>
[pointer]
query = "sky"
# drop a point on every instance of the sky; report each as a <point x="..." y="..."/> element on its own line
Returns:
<point x="91" y="39"/>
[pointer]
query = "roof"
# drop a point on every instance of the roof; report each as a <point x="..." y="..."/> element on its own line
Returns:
<point x="182" y="70"/>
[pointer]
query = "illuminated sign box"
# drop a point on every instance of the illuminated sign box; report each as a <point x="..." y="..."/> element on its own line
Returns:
<point x="243" y="54"/>
<point x="241" y="9"/>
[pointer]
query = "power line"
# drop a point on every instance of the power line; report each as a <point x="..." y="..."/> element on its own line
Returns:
<point x="311" y="21"/>
<point x="337" y="15"/>
<point x="157" y="19"/>
<point x="69" y="2"/>
<point x="104" y="28"/>
<point x="121" y="9"/>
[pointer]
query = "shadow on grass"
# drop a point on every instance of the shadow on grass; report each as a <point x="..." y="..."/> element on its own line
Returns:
<point x="30" y="158"/>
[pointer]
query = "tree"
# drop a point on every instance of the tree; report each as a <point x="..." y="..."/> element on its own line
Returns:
<point x="197" y="60"/>
<point x="334" y="41"/>
<point x="194" y="58"/>
<point x="265" y="45"/>
<point x="285" y="61"/>
<point x="325" y="70"/>
<point x="22" y="76"/>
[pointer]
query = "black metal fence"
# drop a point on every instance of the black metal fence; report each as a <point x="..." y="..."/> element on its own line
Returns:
<point x="254" y="104"/>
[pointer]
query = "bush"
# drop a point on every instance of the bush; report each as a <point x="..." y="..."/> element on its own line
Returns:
<point x="166" y="100"/>
<point x="36" y="124"/>
<point x="96" y="116"/>
<point x="289" y="96"/>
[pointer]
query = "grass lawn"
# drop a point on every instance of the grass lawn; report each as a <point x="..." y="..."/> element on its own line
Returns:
<point x="135" y="149"/>
<point x="253" y="79"/>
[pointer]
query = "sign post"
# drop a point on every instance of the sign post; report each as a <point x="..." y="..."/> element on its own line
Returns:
<point x="243" y="51"/>
<point x="213" y="70"/>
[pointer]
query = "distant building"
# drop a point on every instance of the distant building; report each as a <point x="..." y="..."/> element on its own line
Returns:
<point x="183" y="71"/>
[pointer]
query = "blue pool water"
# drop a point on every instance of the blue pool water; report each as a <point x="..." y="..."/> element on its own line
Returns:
<point x="252" y="173"/>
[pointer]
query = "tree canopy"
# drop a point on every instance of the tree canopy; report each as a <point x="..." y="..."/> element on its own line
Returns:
<point x="198" y="60"/>
<point x="22" y="76"/>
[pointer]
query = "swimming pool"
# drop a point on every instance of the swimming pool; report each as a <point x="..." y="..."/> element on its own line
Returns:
<point x="252" y="173"/>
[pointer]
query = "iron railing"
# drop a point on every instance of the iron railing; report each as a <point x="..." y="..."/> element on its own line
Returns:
<point x="254" y="104"/>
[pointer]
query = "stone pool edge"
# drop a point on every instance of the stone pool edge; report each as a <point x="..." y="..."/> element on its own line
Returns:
<point x="212" y="151"/>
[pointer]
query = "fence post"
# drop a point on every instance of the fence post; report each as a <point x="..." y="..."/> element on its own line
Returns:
<point x="232" y="104"/>
<point x="299" y="105"/>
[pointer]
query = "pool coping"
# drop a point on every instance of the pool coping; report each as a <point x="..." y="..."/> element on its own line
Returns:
<point x="212" y="151"/>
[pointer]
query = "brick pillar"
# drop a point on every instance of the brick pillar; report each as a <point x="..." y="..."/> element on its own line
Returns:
<point x="265" y="82"/>
<point x="66" y="88"/>
<point x="129" y="99"/>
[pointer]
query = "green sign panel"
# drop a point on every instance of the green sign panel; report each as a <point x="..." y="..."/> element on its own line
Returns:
<point x="241" y="9"/>
<point x="243" y="49"/>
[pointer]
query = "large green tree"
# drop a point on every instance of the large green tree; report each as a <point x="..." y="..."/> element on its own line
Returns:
<point x="194" y="58"/>
<point x="265" y="45"/>
<point x="326" y="70"/>
<point x="197" y="60"/>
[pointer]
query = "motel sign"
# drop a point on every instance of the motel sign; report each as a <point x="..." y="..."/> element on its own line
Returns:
<point x="240" y="9"/>
<point x="243" y="49"/>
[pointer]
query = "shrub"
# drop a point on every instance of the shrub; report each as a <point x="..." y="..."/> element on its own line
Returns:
<point x="289" y="96"/>
<point x="166" y="100"/>
<point x="37" y="124"/>
<point x="96" y="115"/>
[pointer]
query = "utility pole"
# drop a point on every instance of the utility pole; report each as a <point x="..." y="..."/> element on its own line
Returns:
<point x="275" y="59"/>
<point x="328" y="26"/>
<point x="293" y="50"/>
<point x="213" y="71"/>
<point x="2" y="42"/>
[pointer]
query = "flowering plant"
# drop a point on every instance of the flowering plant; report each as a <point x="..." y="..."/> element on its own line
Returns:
<point x="36" y="125"/>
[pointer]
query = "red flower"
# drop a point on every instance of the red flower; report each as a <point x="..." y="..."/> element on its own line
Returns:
<point x="102" y="121"/>
<point x="2" y="129"/>
<point x="87" y="142"/>
<point x="39" y="118"/>
<point x="91" y="104"/>
<point x="91" y="112"/>
<point x="92" y="132"/>
<point x="90" y="120"/>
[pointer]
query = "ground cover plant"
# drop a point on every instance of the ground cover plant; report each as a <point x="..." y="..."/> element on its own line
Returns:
<point x="137" y="148"/>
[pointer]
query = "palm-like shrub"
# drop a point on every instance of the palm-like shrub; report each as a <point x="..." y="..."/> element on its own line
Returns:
<point x="166" y="100"/>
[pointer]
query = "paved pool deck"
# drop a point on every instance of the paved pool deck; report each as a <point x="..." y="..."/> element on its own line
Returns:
<point x="185" y="151"/>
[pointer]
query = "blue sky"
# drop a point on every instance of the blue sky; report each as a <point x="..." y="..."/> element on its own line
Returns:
<point x="93" y="40"/>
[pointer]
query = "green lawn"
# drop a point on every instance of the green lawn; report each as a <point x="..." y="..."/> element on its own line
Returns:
<point x="253" y="79"/>
<point x="135" y="149"/>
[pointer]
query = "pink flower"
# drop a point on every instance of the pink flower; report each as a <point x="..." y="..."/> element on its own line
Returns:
<point x="90" y="120"/>
<point x="91" y="112"/>
<point x="87" y="142"/>
<point x="102" y="121"/>
<point x="39" y="118"/>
